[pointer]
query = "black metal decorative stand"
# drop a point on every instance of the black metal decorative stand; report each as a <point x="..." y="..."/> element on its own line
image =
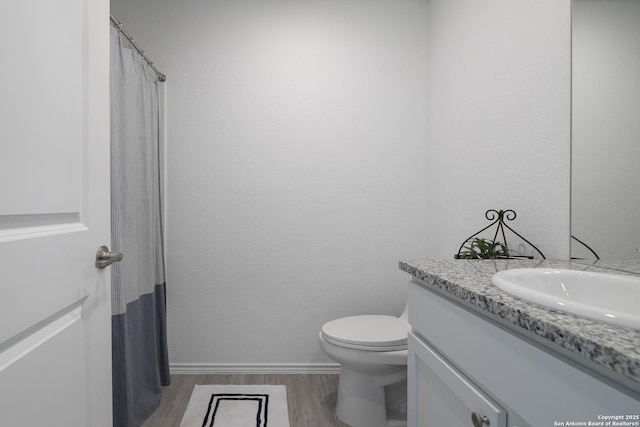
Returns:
<point x="499" y="218"/>
<point x="585" y="245"/>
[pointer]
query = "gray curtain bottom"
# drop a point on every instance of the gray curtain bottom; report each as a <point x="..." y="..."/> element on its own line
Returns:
<point x="140" y="358"/>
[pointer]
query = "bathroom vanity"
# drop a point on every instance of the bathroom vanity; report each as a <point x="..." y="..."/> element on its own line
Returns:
<point x="481" y="357"/>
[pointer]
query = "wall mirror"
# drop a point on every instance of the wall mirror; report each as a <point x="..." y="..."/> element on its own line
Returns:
<point x="605" y="151"/>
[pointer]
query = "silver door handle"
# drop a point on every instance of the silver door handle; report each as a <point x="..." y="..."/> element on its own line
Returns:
<point x="104" y="258"/>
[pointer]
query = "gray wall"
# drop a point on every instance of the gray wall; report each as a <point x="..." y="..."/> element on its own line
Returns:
<point x="311" y="145"/>
<point x="499" y="130"/>
<point x="296" y="168"/>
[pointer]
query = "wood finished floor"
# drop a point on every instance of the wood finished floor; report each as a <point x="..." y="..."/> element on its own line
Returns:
<point x="311" y="399"/>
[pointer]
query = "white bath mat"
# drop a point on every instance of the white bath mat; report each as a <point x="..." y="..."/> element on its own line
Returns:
<point x="237" y="406"/>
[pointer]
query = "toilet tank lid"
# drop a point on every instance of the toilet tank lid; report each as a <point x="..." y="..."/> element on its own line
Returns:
<point x="368" y="330"/>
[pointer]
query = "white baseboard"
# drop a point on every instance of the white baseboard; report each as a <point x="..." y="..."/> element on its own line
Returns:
<point x="254" y="368"/>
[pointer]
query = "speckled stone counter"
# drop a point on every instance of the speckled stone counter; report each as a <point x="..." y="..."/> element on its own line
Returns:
<point x="613" y="349"/>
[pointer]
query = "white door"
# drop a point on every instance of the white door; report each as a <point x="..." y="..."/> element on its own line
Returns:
<point x="55" y="342"/>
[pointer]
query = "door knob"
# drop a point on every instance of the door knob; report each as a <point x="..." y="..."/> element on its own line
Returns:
<point x="104" y="258"/>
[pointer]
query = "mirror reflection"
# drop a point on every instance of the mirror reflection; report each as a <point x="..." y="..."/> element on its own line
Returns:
<point x="605" y="170"/>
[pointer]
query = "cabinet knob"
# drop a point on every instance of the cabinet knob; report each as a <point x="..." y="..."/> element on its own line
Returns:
<point x="478" y="420"/>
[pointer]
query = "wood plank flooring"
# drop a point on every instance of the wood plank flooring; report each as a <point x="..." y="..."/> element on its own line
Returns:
<point x="311" y="399"/>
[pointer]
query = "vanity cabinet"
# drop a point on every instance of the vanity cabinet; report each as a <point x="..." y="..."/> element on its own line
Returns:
<point x="461" y="363"/>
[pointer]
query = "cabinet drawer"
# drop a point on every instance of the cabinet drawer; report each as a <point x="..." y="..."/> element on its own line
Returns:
<point x="441" y="396"/>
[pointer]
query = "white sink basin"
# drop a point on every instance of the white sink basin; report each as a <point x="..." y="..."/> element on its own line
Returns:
<point x="611" y="298"/>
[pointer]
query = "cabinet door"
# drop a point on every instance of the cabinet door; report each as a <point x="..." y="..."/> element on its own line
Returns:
<point x="440" y="396"/>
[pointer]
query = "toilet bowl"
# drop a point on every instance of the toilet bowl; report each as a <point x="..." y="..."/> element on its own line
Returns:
<point x="372" y="352"/>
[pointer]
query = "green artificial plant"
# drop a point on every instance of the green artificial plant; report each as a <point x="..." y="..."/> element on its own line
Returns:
<point x="483" y="249"/>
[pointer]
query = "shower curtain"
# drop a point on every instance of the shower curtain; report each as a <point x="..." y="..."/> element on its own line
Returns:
<point x="140" y="361"/>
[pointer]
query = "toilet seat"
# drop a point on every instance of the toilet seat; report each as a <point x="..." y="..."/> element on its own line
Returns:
<point x="367" y="333"/>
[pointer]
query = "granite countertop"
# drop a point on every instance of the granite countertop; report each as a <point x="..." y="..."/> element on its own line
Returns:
<point x="611" y="347"/>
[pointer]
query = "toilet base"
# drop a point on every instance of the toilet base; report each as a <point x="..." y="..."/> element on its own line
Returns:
<point x="363" y="398"/>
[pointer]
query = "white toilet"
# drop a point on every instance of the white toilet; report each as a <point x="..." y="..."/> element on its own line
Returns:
<point x="372" y="350"/>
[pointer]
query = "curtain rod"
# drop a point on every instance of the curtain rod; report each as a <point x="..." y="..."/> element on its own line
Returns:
<point x="120" y="27"/>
